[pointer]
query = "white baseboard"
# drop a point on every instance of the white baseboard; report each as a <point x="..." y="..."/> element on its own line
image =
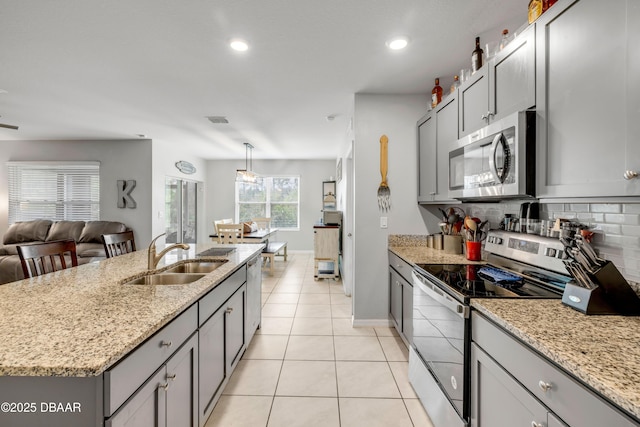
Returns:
<point x="370" y="323"/>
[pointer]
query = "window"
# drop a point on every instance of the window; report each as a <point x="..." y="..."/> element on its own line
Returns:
<point x="54" y="190"/>
<point x="275" y="197"/>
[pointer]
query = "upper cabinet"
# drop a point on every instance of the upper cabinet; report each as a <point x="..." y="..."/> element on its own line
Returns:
<point x="588" y="99"/>
<point x="436" y="131"/>
<point x="506" y="84"/>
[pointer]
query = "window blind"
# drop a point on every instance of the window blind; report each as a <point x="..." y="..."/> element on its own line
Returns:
<point x="54" y="190"/>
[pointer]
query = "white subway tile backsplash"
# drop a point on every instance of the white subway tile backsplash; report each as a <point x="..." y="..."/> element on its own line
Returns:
<point x="617" y="227"/>
<point x="631" y="208"/>
<point x="606" y="207"/>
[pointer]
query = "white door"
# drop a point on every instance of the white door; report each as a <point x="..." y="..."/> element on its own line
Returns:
<point x="347" y="233"/>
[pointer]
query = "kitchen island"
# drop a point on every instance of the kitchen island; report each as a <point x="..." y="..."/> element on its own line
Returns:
<point x="599" y="352"/>
<point x="63" y="331"/>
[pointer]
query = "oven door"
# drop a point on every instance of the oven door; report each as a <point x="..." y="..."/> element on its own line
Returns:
<point x="441" y="342"/>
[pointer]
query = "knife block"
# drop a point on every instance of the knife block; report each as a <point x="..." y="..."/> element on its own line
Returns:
<point x="612" y="294"/>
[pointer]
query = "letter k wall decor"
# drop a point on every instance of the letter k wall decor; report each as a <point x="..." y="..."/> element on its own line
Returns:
<point x="124" y="193"/>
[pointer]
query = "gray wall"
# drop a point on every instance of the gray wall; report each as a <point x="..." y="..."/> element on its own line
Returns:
<point x="395" y="116"/>
<point x="220" y="192"/>
<point x="129" y="159"/>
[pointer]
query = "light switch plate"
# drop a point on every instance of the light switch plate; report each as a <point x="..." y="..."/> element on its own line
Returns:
<point x="383" y="222"/>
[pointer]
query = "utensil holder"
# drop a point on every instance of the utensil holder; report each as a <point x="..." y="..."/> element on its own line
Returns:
<point x="612" y="294"/>
<point x="473" y="250"/>
<point x="452" y="244"/>
<point x="437" y="241"/>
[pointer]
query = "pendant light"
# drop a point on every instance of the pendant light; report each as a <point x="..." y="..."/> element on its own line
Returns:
<point x="247" y="175"/>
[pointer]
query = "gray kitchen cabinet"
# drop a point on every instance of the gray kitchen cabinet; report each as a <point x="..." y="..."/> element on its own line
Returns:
<point x="588" y="99"/>
<point x="221" y="343"/>
<point x="527" y="381"/>
<point x="497" y="400"/>
<point x="212" y="373"/>
<point x="254" y="296"/>
<point x="401" y="297"/>
<point x="427" y="161"/>
<point x="168" y="398"/>
<point x="435" y="131"/>
<point x="504" y="85"/>
<point x="395" y="299"/>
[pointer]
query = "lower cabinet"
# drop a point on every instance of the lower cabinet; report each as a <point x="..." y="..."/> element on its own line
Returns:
<point x="499" y="400"/>
<point x="168" y="398"/>
<point x="513" y="385"/>
<point x="222" y="341"/>
<point x="401" y="297"/>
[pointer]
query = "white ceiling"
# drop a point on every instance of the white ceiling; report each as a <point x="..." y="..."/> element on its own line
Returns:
<point x="98" y="69"/>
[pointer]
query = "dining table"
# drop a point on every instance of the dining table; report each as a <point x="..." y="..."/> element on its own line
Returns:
<point x="258" y="236"/>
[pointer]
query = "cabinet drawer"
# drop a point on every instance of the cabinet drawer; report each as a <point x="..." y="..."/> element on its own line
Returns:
<point x="124" y="378"/>
<point x="401" y="266"/>
<point x="566" y="397"/>
<point x="218" y="295"/>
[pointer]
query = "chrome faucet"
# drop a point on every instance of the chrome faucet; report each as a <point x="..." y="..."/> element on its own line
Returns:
<point x="155" y="259"/>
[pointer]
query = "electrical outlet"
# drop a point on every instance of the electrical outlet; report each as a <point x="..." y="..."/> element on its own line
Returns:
<point x="383" y="222"/>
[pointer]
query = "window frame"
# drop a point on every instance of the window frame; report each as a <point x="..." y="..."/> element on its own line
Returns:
<point x="268" y="202"/>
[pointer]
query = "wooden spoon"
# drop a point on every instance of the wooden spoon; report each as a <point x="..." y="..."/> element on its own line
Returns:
<point x="471" y="225"/>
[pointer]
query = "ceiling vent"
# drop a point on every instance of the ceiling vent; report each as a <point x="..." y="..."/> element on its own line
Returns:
<point x="218" y="119"/>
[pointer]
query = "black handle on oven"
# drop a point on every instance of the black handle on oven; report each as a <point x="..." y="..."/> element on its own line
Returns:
<point x="440" y="296"/>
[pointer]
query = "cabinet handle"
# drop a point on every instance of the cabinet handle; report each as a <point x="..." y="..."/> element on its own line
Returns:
<point x="544" y="386"/>
<point x="490" y="114"/>
<point x="397" y="283"/>
<point x="171" y="377"/>
<point x="165" y="343"/>
<point x="629" y="175"/>
<point x="229" y="310"/>
<point x="165" y="386"/>
<point x="535" y="424"/>
<point x="484" y="117"/>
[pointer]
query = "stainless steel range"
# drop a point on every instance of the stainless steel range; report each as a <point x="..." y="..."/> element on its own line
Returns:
<point x="518" y="266"/>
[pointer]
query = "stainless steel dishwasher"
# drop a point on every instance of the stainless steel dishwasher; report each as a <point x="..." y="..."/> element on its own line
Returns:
<point x="254" y="296"/>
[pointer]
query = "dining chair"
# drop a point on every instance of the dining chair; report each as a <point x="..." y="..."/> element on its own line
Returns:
<point x="230" y="233"/>
<point x="47" y="257"/>
<point x="221" y="221"/>
<point x="263" y="223"/>
<point x="118" y="243"/>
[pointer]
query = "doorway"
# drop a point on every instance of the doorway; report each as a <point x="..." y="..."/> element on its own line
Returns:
<point x="181" y="210"/>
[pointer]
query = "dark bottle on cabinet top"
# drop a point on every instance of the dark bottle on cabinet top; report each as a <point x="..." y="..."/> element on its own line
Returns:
<point x="436" y="94"/>
<point x="476" y="57"/>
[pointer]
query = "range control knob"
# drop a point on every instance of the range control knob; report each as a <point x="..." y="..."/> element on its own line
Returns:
<point x="498" y="240"/>
<point x="550" y="252"/>
<point x="491" y="239"/>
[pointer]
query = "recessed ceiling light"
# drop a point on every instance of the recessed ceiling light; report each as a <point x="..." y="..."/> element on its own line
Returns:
<point x="239" y="45"/>
<point x="397" y="43"/>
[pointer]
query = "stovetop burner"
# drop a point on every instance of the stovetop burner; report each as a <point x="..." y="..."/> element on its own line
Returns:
<point x="485" y="281"/>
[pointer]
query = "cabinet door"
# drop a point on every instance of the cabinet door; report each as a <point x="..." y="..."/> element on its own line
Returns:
<point x="212" y="367"/>
<point x="407" y="311"/>
<point x="234" y="327"/>
<point x="395" y="299"/>
<point x="582" y="99"/>
<point x="325" y="242"/>
<point x="146" y="408"/>
<point x="182" y="390"/>
<point x="254" y="296"/>
<point x="427" y="160"/>
<point x="632" y="157"/>
<point x="473" y="99"/>
<point x="553" y="421"/>
<point x="497" y="400"/>
<point x="446" y="136"/>
<point x="512" y="76"/>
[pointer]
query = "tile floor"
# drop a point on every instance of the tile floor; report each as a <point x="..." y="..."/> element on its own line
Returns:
<point x="307" y="366"/>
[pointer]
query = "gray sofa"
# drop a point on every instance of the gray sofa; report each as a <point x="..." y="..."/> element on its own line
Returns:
<point x="87" y="236"/>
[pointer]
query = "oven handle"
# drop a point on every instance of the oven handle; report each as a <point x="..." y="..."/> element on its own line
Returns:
<point x="440" y="296"/>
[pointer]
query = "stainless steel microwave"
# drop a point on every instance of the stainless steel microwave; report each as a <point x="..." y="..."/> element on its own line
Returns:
<point x="496" y="162"/>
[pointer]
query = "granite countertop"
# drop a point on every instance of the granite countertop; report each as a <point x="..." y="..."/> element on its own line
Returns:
<point x="601" y="351"/>
<point x="78" y="322"/>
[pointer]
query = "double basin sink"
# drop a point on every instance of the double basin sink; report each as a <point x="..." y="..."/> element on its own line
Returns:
<point x="180" y="274"/>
